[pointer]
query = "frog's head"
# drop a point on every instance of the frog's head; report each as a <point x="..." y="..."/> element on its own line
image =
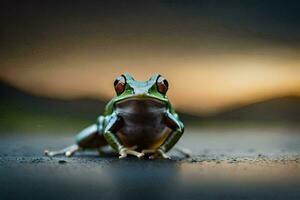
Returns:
<point x="126" y="87"/>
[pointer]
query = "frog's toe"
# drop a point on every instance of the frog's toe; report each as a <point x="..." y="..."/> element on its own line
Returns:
<point x="125" y="151"/>
<point x="140" y="155"/>
<point x="122" y="155"/>
<point x="68" y="154"/>
<point x="51" y="153"/>
<point x="69" y="151"/>
<point x="165" y="156"/>
<point x="135" y="153"/>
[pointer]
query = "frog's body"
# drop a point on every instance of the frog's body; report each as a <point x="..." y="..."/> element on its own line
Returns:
<point x="135" y="131"/>
<point x="138" y="120"/>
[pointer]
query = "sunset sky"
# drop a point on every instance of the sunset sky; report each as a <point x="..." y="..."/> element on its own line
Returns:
<point x="216" y="55"/>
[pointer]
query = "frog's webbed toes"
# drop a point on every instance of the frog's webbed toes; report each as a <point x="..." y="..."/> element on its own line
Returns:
<point x="125" y="151"/>
<point x="69" y="151"/>
<point x="140" y="155"/>
<point x="53" y="153"/>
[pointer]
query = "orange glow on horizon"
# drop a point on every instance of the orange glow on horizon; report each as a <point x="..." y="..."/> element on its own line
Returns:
<point x="198" y="83"/>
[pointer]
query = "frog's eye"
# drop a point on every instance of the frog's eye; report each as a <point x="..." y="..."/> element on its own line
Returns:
<point x="119" y="84"/>
<point x="162" y="85"/>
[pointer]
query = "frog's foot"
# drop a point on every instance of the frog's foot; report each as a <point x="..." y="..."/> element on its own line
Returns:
<point x="157" y="153"/>
<point x="69" y="151"/>
<point x="126" y="151"/>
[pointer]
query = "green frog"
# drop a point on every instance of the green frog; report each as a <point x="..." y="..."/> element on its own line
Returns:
<point x="139" y="120"/>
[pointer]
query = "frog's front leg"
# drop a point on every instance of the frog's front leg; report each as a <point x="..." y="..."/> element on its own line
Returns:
<point x="114" y="124"/>
<point x="177" y="127"/>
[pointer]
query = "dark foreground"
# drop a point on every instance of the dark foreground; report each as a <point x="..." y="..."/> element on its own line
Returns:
<point x="256" y="163"/>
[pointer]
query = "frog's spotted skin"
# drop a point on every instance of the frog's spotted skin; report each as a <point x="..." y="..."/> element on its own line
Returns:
<point x="138" y="120"/>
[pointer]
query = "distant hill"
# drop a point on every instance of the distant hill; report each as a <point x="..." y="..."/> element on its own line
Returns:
<point x="16" y="100"/>
<point x="24" y="113"/>
<point x="285" y="109"/>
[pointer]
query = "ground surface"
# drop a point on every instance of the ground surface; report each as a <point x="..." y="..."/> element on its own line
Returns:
<point x="227" y="163"/>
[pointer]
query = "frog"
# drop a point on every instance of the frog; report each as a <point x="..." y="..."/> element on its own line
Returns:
<point x="139" y="120"/>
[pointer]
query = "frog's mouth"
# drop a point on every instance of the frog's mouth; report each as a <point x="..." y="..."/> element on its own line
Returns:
<point x="143" y="97"/>
<point x="140" y="104"/>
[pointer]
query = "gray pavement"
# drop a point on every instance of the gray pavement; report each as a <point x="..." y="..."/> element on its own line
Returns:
<point x="227" y="163"/>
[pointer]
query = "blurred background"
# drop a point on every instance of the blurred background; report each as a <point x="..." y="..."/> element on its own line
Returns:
<point x="234" y="73"/>
<point x="227" y="62"/>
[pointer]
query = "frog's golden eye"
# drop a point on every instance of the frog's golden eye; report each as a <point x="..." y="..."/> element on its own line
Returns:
<point x="119" y="84"/>
<point x="162" y="85"/>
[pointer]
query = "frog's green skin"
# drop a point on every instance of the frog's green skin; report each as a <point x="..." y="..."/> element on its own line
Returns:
<point x="139" y="117"/>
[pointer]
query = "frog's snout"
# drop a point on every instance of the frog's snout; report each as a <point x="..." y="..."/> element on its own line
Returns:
<point x="140" y="92"/>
